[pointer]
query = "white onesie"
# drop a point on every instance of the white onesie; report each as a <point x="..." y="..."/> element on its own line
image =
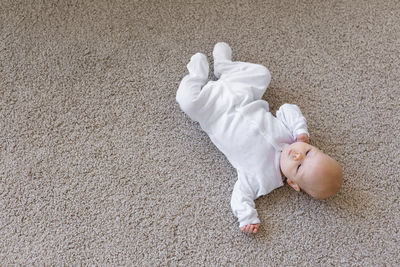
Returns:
<point x="238" y="122"/>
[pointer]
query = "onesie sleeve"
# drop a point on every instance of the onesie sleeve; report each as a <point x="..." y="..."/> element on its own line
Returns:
<point x="293" y="119"/>
<point x="243" y="206"/>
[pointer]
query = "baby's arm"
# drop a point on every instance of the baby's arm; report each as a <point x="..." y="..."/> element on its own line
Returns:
<point x="243" y="207"/>
<point x="293" y="119"/>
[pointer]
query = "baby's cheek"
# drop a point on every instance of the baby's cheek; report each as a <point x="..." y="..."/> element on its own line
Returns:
<point x="285" y="168"/>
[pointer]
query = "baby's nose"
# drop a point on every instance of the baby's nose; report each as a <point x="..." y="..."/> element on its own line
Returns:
<point x="297" y="156"/>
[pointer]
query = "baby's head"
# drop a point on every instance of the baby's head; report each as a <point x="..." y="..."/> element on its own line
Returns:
<point x="308" y="168"/>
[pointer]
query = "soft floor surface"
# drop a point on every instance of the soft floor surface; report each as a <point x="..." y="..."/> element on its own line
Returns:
<point x="98" y="164"/>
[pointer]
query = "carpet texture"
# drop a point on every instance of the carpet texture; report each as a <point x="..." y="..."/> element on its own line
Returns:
<point x="99" y="166"/>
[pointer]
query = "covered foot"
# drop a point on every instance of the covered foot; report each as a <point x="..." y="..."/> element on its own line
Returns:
<point x="222" y="52"/>
<point x="198" y="66"/>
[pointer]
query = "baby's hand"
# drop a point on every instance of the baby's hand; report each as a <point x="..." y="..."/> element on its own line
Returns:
<point x="250" y="228"/>
<point x="302" y="138"/>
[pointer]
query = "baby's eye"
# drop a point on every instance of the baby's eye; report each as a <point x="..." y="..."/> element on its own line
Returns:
<point x="307" y="152"/>
<point x="298" y="167"/>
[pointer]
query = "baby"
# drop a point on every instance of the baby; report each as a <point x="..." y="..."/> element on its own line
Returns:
<point x="261" y="147"/>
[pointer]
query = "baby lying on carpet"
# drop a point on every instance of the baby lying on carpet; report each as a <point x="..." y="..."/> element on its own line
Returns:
<point x="261" y="147"/>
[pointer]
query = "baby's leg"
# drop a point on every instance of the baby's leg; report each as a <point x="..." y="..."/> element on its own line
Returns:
<point x="256" y="77"/>
<point x="190" y="86"/>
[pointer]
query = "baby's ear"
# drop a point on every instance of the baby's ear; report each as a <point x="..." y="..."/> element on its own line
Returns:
<point x="294" y="185"/>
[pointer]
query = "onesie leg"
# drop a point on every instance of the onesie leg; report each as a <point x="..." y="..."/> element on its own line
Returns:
<point x="191" y="84"/>
<point x="253" y="76"/>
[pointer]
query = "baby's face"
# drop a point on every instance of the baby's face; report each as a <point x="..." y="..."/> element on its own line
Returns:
<point x="308" y="168"/>
<point x="298" y="159"/>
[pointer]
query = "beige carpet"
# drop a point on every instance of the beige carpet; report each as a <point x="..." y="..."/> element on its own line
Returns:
<point x="99" y="166"/>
